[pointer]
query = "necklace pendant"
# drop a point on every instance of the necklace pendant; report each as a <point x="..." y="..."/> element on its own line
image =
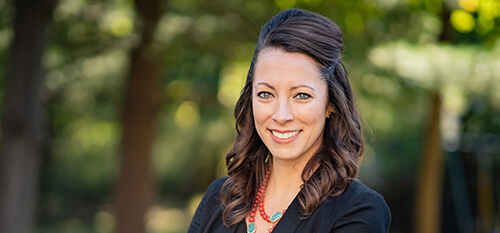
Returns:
<point x="277" y="216"/>
<point x="251" y="227"/>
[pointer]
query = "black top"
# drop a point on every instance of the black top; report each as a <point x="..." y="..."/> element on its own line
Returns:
<point x="358" y="209"/>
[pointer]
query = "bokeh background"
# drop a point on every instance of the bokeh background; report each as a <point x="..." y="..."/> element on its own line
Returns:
<point x="116" y="115"/>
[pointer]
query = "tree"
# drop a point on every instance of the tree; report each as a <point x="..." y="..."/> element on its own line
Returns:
<point x="22" y="123"/>
<point x="142" y="102"/>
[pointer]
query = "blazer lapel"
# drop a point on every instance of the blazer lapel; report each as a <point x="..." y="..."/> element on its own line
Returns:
<point x="291" y="219"/>
<point x="216" y="225"/>
<point x="240" y="227"/>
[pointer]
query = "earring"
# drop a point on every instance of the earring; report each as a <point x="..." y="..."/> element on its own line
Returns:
<point x="329" y="114"/>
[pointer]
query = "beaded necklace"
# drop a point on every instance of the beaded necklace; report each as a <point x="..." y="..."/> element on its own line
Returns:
<point x="259" y="204"/>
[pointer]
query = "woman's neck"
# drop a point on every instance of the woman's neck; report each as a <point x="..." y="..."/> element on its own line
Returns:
<point x="285" y="180"/>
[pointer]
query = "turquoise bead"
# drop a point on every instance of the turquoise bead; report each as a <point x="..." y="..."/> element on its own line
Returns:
<point x="251" y="227"/>
<point x="276" y="217"/>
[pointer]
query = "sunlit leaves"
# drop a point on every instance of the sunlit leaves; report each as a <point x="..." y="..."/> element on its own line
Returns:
<point x="482" y="20"/>
<point x="468" y="5"/>
<point x="118" y="23"/>
<point x="187" y="114"/>
<point x="489" y="9"/>
<point x="433" y="66"/>
<point x="462" y="21"/>
<point x="231" y="82"/>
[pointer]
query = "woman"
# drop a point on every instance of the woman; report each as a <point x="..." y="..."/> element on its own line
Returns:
<point x="293" y="165"/>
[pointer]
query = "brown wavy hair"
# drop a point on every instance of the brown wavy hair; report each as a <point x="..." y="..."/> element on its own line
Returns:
<point x="335" y="164"/>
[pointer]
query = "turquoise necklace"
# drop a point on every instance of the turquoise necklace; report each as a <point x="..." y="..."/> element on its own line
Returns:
<point x="259" y="204"/>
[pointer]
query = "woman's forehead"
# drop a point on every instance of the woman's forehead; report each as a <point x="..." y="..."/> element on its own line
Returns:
<point x="276" y="67"/>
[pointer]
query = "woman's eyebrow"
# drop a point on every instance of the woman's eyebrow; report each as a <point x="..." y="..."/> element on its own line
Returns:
<point x="291" y="88"/>
<point x="265" y="84"/>
<point x="302" y="85"/>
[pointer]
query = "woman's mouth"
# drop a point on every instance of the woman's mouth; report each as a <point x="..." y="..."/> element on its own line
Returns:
<point x="284" y="137"/>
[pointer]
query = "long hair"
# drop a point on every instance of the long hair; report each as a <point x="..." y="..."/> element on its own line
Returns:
<point x="335" y="164"/>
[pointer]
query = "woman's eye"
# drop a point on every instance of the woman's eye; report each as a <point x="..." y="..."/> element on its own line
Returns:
<point x="264" y="95"/>
<point x="303" y="96"/>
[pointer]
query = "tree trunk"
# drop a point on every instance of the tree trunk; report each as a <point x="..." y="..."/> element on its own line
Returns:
<point x="22" y="123"/>
<point x="134" y="191"/>
<point x="430" y="178"/>
<point x="429" y="183"/>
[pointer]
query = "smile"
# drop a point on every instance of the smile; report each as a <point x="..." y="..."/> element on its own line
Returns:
<point x="285" y="135"/>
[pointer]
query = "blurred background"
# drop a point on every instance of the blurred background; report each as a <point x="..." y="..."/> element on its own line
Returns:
<point x="116" y="115"/>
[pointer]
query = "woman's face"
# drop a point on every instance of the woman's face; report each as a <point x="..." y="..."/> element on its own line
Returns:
<point x="289" y="100"/>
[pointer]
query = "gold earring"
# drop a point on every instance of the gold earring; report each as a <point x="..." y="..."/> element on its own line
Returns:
<point x="329" y="112"/>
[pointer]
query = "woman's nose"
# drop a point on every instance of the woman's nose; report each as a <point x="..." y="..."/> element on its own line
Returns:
<point x="283" y="112"/>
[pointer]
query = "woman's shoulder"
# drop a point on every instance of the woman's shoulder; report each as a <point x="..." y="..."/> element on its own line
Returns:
<point x="358" y="193"/>
<point x="209" y="207"/>
<point x="215" y="187"/>
<point x="211" y="198"/>
<point x="359" y="203"/>
<point x="359" y="190"/>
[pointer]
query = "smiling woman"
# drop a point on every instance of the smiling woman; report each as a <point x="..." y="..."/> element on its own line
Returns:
<point x="295" y="159"/>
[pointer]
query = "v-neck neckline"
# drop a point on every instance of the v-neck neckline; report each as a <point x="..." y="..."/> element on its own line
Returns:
<point x="290" y="220"/>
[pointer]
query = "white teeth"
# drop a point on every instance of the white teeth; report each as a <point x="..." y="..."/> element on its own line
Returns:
<point x="285" y="135"/>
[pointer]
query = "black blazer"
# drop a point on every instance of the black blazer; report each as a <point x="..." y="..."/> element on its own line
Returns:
<point x="358" y="209"/>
